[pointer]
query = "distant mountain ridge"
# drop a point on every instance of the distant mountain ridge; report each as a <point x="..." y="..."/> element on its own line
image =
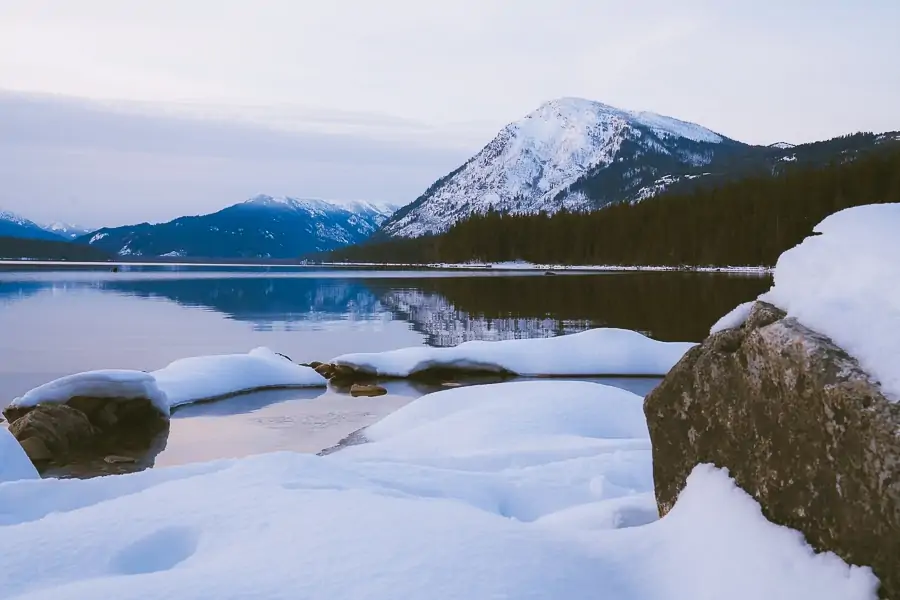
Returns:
<point x="17" y="226"/>
<point x="67" y="231"/>
<point x="260" y="227"/>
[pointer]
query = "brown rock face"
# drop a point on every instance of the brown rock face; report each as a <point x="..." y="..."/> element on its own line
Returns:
<point x="61" y="428"/>
<point x="799" y="426"/>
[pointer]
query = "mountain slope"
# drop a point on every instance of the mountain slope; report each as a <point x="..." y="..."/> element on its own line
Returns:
<point x="533" y="164"/>
<point x="13" y="225"/>
<point x="262" y="227"/>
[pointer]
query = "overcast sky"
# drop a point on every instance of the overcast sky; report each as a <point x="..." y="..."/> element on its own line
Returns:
<point x="115" y="111"/>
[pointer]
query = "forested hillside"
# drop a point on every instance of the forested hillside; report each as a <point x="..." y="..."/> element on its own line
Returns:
<point x="746" y="222"/>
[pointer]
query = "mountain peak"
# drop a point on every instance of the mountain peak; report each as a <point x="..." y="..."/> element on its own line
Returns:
<point x="533" y="163"/>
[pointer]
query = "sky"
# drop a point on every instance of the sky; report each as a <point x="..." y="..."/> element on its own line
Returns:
<point x="114" y="112"/>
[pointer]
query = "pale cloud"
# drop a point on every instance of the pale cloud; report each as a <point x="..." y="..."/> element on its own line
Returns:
<point x="396" y="92"/>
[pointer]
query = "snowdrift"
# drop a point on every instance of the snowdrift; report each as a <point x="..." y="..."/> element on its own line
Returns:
<point x="518" y="490"/>
<point x="605" y="351"/>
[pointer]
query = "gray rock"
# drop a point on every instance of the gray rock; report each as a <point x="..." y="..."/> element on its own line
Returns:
<point x="801" y="428"/>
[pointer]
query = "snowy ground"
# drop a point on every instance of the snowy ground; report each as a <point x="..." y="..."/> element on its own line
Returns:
<point x="184" y="381"/>
<point x="518" y="490"/>
<point x="597" y="352"/>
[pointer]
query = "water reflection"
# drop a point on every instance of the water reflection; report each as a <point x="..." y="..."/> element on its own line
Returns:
<point x="447" y="310"/>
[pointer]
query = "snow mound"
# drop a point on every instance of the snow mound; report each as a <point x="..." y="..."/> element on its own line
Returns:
<point x="187" y="380"/>
<point x="845" y="283"/>
<point x="209" y="377"/>
<point x="605" y="351"/>
<point x="14" y="463"/>
<point x="733" y="319"/>
<point x="111" y="383"/>
<point x="548" y="496"/>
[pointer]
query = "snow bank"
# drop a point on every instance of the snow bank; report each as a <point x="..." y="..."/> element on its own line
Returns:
<point x="14" y="464"/>
<point x="546" y="495"/>
<point x="111" y="383"/>
<point x="845" y="283"/>
<point x="210" y="377"/>
<point x="183" y="381"/>
<point x="594" y="352"/>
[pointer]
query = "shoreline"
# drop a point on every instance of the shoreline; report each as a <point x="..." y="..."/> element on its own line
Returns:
<point x="507" y="266"/>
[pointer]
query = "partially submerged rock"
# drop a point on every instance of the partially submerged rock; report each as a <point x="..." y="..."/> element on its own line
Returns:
<point x="360" y="389"/>
<point x="73" y="436"/>
<point x="800" y="427"/>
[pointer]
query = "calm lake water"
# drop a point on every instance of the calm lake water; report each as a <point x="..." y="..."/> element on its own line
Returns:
<point x="53" y="323"/>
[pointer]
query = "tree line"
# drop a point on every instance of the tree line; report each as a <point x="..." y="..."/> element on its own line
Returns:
<point x="746" y="222"/>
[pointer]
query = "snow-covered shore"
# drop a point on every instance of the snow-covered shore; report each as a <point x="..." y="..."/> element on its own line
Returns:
<point x="517" y="490"/>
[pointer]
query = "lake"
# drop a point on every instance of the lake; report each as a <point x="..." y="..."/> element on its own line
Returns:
<point x="58" y="322"/>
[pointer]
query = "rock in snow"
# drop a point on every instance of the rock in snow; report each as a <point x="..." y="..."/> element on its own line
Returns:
<point x="478" y="492"/>
<point x="604" y="351"/>
<point x="798" y="400"/>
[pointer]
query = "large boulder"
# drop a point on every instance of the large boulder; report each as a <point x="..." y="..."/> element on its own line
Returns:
<point x="799" y="425"/>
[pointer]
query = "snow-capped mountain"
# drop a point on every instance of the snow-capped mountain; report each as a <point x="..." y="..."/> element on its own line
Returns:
<point x="261" y="227"/>
<point x="570" y="154"/>
<point x="13" y="225"/>
<point x="66" y="230"/>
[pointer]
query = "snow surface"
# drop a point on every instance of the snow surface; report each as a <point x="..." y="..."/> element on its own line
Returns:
<point x="184" y="381"/>
<point x="845" y="283"/>
<point x="209" y="377"/>
<point x="734" y="319"/>
<point x="604" y="351"/>
<point x="531" y="162"/>
<point x="521" y="491"/>
<point x="14" y="463"/>
<point x="110" y="383"/>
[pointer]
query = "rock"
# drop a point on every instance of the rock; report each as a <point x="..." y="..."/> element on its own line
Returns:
<point x="284" y="356"/>
<point x="105" y="417"/>
<point x="314" y="364"/>
<point x="86" y="404"/>
<point x="344" y="372"/>
<point x="36" y="450"/>
<point x="451" y="384"/>
<point x="801" y="428"/>
<point x="14" y="413"/>
<point x="59" y="427"/>
<point x="326" y="371"/>
<point x="115" y="460"/>
<point x="359" y="389"/>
